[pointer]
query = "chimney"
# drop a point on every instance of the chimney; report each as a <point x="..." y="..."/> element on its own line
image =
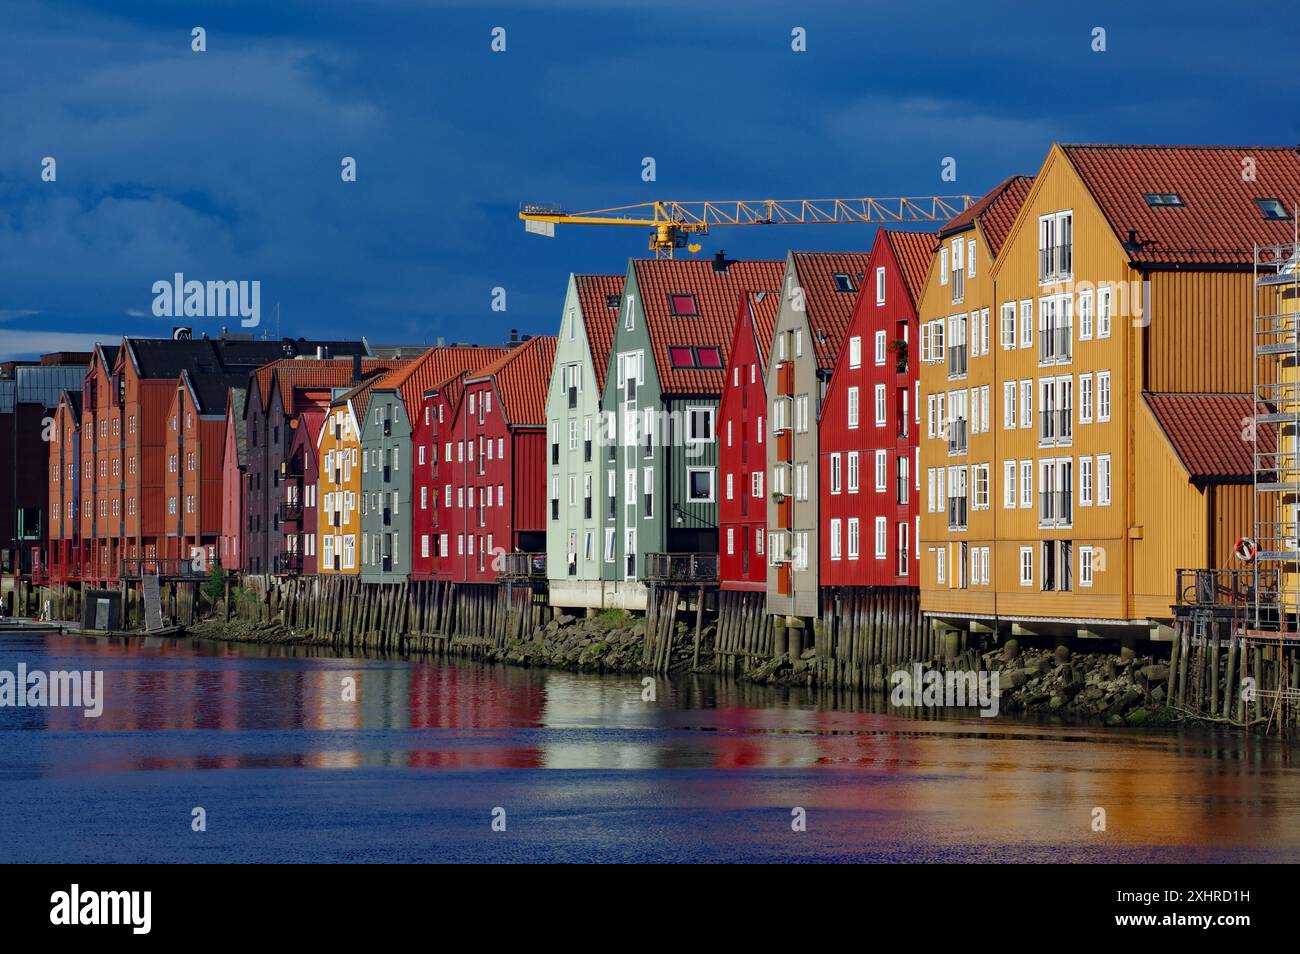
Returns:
<point x="514" y="338"/>
<point x="442" y="342"/>
<point x="356" y="367"/>
<point x="322" y="352"/>
<point x="720" y="261"/>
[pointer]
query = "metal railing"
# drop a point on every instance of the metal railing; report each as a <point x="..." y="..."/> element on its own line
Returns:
<point x="1055" y="508"/>
<point x="1219" y="587"/>
<point x="1055" y="344"/>
<point x="1055" y="261"/>
<point x="957" y="513"/>
<point x="166" y="567"/>
<point x="524" y="565"/>
<point x="695" y="567"/>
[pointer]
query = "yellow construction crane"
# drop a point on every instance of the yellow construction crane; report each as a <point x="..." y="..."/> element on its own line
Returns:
<point x="672" y="222"/>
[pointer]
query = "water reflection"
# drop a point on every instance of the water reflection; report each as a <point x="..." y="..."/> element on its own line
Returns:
<point x="177" y="706"/>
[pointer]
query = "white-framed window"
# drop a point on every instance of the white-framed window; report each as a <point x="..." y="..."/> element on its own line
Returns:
<point x="1085" y="566"/>
<point x="800" y="481"/>
<point x="1085" y="398"/>
<point x="854" y="462"/>
<point x="882" y="467"/>
<point x="940" y="564"/>
<point x="756" y="483"/>
<point x="835" y="473"/>
<point x="1026" y="566"/>
<point x="943" y="266"/>
<point x="1085" y="482"/>
<point x="855" y="534"/>
<point x="1026" y="404"/>
<point x="1085" y="314"/>
<point x="1008" y="405"/>
<point x="699" y="484"/>
<point x="902" y="546"/>
<point x="1103" y="396"/>
<point x="1008" y="336"/>
<point x="880" y="347"/>
<point x="880" y="284"/>
<point x="882" y="535"/>
<point x="853" y="407"/>
<point x="1105" y="306"/>
<point x="1026" y="483"/>
<point x="731" y="540"/>
<point x="699" y="425"/>
<point x="835" y="538"/>
<point x="1103" y="480"/>
<point x="1009" y="484"/>
<point x="855" y="352"/>
<point x="1027" y="323"/>
<point x="880" y="405"/>
<point x="980" y="482"/>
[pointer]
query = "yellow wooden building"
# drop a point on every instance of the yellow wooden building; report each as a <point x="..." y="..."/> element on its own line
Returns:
<point x="1120" y="436"/>
<point x="338" y="491"/>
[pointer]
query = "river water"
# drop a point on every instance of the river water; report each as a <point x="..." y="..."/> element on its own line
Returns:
<point x="284" y="768"/>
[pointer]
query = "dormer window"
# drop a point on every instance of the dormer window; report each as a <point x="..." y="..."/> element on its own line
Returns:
<point x="1162" y="199"/>
<point x="683" y="306"/>
<point x="843" y="283"/>
<point x="611" y="301"/>
<point x="1273" y="210"/>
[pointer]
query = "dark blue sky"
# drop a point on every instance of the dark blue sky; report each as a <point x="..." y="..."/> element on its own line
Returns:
<point x="225" y="164"/>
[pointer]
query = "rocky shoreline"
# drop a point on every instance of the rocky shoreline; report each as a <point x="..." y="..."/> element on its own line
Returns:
<point x="1096" y="688"/>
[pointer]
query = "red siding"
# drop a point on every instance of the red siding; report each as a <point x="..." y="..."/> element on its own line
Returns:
<point x="741" y="514"/>
<point x="232" y="495"/>
<point x="897" y="438"/>
<point x="433" y="519"/>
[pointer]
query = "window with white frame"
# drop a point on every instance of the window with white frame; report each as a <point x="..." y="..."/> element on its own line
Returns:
<point x="835" y="538"/>
<point x="1008" y="405"/>
<point x="980" y="482"/>
<point x="853" y="407"/>
<point x="835" y="473"/>
<point x="940" y="564"/>
<point x="1085" y="482"/>
<point x="1008" y="325"/>
<point x="1105" y="306"/>
<point x="1085" y="566"/>
<point x="882" y="534"/>
<point x="1085" y="314"/>
<point x="1027" y="323"/>
<point x="880" y="347"/>
<point x="880" y="285"/>
<point x="902" y="547"/>
<point x="1103" y="396"/>
<point x="880" y="405"/>
<point x="1085" y="398"/>
<point x="1103" y="480"/>
<point x="1008" y="484"/>
<point x="1026" y="404"/>
<point x="855" y="352"/>
<point x="1026" y="483"/>
<point x="855" y="532"/>
<point x="882" y="468"/>
<point x="1026" y="566"/>
<point x="854" y="466"/>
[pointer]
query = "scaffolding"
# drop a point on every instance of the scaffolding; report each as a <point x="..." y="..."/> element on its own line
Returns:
<point x="1269" y="634"/>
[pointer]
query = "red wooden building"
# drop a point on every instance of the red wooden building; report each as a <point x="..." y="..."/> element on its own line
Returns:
<point x="193" y="452"/>
<point x="496" y="480"/>
<point x="742" y="509"/>
<point x="301" y="472"/>
<point x="234" y="482"/>
<point x="868" y="424"/>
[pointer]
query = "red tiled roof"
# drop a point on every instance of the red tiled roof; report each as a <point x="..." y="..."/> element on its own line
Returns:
<point x="829" y="310"/>
<point x="1218" y="222"/>
<point x="995" y="212"/>
<point x="763" y="308"/>
<point x="291" y="373"/>
<point x="913" y="251"/>
<point x="523" y="377"/>
<point x="1206" y="433"/>
<point x="433" y="367"/>
<point x="594" y="291"/>
<point x="717" y="297"/>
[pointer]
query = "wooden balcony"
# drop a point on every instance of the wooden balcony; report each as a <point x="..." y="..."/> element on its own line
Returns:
<point x="168" y="568"/>
<point x="785" y="445"/>
<point x="785" y="379"/>
<point x="784" y="513"/>
<point x="524" y="566"/>
<point x="681" y="567"/>
<point x="783" y="587"/>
